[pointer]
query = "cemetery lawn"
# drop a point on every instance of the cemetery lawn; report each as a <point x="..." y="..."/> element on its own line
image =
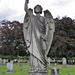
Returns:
<point x="23" y="69"/>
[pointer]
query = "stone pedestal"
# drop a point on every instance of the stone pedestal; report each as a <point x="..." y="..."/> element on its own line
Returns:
<point x="54" y="71"/>
<point x="33" y="72"/>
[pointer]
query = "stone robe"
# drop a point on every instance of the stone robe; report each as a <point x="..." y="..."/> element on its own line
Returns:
<point x="34" y="30"/>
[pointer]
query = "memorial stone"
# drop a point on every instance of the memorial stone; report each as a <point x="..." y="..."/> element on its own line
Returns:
<point x="64" y="61"/>
<point x="10" y="66"/>
<point x="4" y="61"/>
<point x="7" y="61"/>
<point x="54" y="71"/>
<point x="49" y="59"/>
<point x="0" y="61"/>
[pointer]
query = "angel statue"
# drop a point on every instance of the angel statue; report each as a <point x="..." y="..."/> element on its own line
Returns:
<point x="38" y="34"/>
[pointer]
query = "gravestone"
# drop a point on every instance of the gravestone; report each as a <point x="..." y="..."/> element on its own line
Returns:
<point x="55" y="64"/>
<point x="19" y="61"/>
<point x="54" y="60"/>
<point x="64" y="61"/>
<point x="4" y="61"/>
<point x="49" y="59"/>
<point x="0" y="61"/>
<point x="10" y="66"/>
<point x="25" y="61"/>
<point x="14" y="60"/>
<point x="54" y="71"/>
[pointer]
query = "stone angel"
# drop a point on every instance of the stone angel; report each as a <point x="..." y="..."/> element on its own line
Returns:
<point x="38" y="34"/>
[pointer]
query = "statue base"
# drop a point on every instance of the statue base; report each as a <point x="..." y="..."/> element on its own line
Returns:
<point x="34" y="72"/>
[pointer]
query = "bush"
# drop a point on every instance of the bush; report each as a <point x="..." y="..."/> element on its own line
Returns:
<point x="14" y="57"/>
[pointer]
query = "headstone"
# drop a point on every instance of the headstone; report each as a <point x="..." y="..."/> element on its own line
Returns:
<point x="54" y="60"/>
<point x="54" y="71"/>
<point x="64" y="61"/>
<point x="0" y="61"/>
<point x="55" y="64"/>
<point x="11" y="62"/>
<point x="4" y="61"/>
<point x="25" y="61"/>
<point x="7" y="61"/>
<point x="19" y="61"/>
<point x="15" y="60"/>
<point x="10" y="66"/>
<point x="49" y="62"/>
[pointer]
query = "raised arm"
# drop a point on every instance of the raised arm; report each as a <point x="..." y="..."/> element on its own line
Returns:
<point x="26" y="6"/>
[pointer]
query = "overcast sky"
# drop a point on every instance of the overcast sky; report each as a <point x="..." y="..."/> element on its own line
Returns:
<point x="14" y="9"/>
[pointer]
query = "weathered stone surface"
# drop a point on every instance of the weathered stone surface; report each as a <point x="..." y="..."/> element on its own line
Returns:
<point x="0" y="61"/>
<point x="38" y="72"/>
<point x="10" y="66"/>
<point x="7" y="61"/>
<point x="64" y="61"/>
<point x="4" y="61"/>
<point x="38" y="33"/>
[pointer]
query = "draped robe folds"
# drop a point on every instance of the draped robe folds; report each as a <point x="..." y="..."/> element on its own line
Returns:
<point x="34" y="27"/>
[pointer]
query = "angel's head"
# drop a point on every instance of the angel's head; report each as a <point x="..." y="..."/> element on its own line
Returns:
<point x="38" y="9"/>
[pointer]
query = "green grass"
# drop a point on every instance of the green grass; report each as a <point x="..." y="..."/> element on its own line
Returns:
<point x="17" y="70"/>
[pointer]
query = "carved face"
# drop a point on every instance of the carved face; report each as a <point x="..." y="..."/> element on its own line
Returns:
<point x="38" y="9"/>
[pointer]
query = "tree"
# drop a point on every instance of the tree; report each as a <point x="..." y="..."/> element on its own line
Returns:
<point x="63" y="45"/>
<point x="64" y="42"/>
<point x="12" y="38"/>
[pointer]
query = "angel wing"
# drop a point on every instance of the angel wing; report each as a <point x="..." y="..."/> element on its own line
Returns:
<point x="25" y="28"/>
<point x="51" y="29"/>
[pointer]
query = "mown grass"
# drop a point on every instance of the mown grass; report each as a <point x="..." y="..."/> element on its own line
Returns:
<point x="23" y="70"/>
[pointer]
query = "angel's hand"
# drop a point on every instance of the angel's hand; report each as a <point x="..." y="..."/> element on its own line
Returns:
<point x="27" y="1"/>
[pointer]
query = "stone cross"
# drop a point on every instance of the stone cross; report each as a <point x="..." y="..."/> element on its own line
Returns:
<point x="54" y="71"/>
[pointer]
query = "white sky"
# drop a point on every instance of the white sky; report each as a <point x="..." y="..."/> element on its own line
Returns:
<point x="14" y="9"/>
